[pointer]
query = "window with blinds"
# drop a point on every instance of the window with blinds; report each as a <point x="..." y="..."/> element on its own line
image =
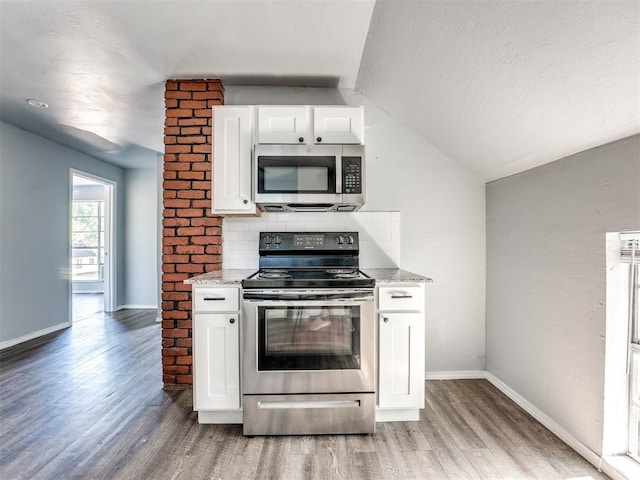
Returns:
<point x="631" y="255"/>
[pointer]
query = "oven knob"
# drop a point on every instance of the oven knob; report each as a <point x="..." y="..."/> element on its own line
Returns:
<point x="278" y="240"/>
<point x="339" y="239"/>
<point x="349" y="239"/>
<point x="267" y="240"/>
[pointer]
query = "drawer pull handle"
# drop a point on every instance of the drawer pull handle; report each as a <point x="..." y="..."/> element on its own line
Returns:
<point x="214" y="299"/>
<point x="401" y="296"/>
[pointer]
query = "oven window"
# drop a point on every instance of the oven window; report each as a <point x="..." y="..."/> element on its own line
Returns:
<point x="309" y="338"/>
<point x="296" y="174"/>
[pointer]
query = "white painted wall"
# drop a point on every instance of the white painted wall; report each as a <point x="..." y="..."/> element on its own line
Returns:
<point x="34" y="231"/>
<point x="546" y="282"/>
<point x="141" y="238"/>
<point x="442" y="207"/>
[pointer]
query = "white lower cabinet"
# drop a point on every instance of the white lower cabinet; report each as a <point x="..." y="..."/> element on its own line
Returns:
<point x="216" y="354"/>
<point x="401" y="352"/>
<point x="401" y="355"/>
<point x="217" y="363"/>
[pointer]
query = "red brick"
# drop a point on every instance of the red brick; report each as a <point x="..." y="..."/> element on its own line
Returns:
<point x="186" y="360"/>
<point x="192" y="157"/>
<point x="189" y="268"/>
<point x="189" y="212"/>
<point x="175" y="277"/>
<point x="171" y="85"/>
<point x="193" y="86"/>
<point x="174" y="352"/>
<point x="197" y="185"/>
<point x="206" y="222"/>
<point x="175" y="333"/>
<point x="168" y="287"/>
<point x="168" y="259"/>
<point x="178" y="95"/>
<point x="169" y="342"/>
<point x="190" y="231"/>
<point x="177" y="166"/>
<point x="168" y="232"/>
<point x="168" y="379"/>
<point x="192" y="131"/>
<point x="184" y="342"/>
<point x="177" y="203"/>
<point x="176" y="185"/>
<point x="212" y="250"/>
<point x="177" y="148"/>
<point x="193" y="104"/>
<point x="181" y="113"/>
<point x="176" y="131"/>
<point x="171" y="103"/>
<point x="202" y="240"/>
<point x="184" y="379"/>
<point x="191" y="175"/>
<point x="176" y="296"/>
<point x="202" y="166"/>
<point x="169" y="360"/>
<point x="168" y="268"/>
<point x="176" y="222"/>
<point x="175" y="315"/>
<point x="176" y="369"/>
<point x="202" y="112"/>
<point x="185" y="305"/>
<point x="204" y="258"/>
<point x="190" y="194"/>
<point x="169" y="175"/>
<point x="184" y="324"/>
<point x="206" y="204"/>
<point x="192" y="139"/>
<point x="170" y="122"/>
<point x="208" y="95"/>
<point x="192" y="121"/>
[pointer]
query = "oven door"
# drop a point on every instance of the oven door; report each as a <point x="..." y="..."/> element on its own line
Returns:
<point x="298" y="174"/>
<point x="306" y="342"/>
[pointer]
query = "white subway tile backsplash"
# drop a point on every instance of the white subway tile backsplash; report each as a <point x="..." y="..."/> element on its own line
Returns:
<point x="379" y="235"/>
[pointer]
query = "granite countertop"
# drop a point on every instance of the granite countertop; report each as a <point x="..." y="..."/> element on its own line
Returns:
<point x="395" y="275"/>
<point x="220" y="277"/>
<point x="234" y="277"/>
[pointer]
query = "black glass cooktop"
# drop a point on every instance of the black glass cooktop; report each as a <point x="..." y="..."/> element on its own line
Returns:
<point x="338" y="277"/>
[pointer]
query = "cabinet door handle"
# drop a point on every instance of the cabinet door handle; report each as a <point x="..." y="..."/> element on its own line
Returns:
<point x="385" y="319"/>
<point x="319" y="139"/>
<point x="401" y="296"/>
<point x="245" y="201"/>
<point x="301" y="139"/>
<point x="232" y="320"/>
<point x="214" y="299"/>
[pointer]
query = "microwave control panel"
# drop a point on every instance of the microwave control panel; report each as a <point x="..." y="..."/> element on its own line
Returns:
<point x="352" y="174"/>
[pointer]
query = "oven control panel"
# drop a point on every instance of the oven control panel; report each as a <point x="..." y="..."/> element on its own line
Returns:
<point x="305" y="241"/>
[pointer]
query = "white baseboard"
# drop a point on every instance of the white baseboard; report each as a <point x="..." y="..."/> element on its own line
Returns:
<point x="455" y="375"/>
<point x="137" y="307"/>
<point x="31" y="336"/>
<point x="614" y="471"/>
<point x="588" y="454"/>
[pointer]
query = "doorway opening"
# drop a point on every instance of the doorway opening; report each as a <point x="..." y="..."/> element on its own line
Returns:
<point x="91" y="245"/>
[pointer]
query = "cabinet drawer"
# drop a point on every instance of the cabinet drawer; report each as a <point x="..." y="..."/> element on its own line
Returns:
<point x="401" y="298"/>
<point x="216" y="299"/>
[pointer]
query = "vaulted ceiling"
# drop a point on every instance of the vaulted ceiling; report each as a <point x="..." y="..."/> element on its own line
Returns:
<point x="497" y="86"/>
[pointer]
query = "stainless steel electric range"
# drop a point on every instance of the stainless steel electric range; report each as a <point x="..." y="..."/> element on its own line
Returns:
<point x="309" y="337"/>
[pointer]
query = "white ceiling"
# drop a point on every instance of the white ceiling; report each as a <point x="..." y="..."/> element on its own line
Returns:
<point x="498" y="86"/>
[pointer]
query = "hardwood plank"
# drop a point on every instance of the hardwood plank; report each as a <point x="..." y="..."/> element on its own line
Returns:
<point x="88" y="403"/>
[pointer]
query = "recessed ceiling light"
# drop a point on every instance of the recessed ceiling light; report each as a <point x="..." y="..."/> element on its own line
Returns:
<point x="36" y="103"/>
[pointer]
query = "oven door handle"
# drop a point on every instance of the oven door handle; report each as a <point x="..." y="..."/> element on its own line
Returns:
<point x="282" y="296"/>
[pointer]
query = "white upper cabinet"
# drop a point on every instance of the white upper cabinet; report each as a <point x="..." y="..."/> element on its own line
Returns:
<point x="232" y="143"/>
<point x="282" y="124"/>
<point x="310" y="125"/>
<point x="338" y="125"/>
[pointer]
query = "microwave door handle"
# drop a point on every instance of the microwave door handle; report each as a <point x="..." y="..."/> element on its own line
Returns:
<point x="339" y="173"/>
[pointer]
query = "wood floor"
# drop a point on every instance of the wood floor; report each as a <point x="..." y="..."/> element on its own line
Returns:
<point x="88" y="403"/>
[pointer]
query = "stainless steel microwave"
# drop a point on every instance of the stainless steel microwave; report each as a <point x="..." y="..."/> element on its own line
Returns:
<point x="310" y="178"/>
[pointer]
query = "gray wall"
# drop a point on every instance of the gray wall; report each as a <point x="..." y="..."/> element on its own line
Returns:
<point x="34" y="230"/>
<point x="141" y="238"/>
<point x="442" y="208"/>
<point x="546" y="279"/>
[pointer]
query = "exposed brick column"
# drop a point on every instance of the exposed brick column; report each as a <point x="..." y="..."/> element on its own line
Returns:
<point x="191" y="235"/>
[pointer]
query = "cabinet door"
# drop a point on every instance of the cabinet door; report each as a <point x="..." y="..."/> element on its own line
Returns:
<point x="216" y="361"/>
<point x="338" y="125"/>
<point x="283" y="125"/>
<point x="232" y="143"/>
<point x="401" y="360"/>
